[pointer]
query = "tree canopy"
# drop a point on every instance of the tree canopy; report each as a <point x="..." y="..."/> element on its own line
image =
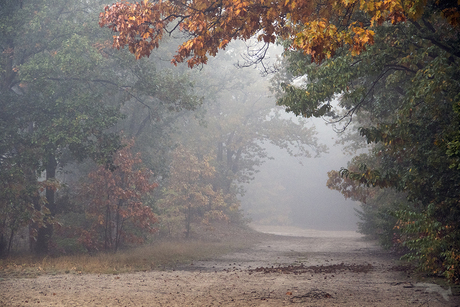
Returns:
<point x="318" y="28"/>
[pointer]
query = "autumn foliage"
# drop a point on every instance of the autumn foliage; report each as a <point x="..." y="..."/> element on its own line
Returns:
<point x="114" y="203"/>
<point x="190" y="196"/>
<point x="317" y="28"/>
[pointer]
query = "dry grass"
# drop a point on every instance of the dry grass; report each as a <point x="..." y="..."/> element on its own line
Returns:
<point x="159" y="255"/>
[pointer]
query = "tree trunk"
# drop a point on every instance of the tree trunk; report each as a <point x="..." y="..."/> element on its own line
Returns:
<point x="8" y="72"/>
<point x="10" y="242"/>
<point x="107" y="230"/>
<point x="220" y="152"/>
<point x="46" y="231"/>
<point x="33" y="227"/>
<point x="229" y="158"/>
<point x="117" y="227"/>
<point x="3" y="246"/>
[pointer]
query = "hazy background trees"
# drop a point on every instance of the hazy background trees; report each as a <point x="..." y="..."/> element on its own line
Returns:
<point x="196" y="138"/>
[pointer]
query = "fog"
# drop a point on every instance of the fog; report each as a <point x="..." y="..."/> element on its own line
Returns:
<point x="298" y="194"/>
<point x="286" y="190"/>
<point x="192" y="140"/>
<point x="147" y="158"/>
<point x="290" y="190"/>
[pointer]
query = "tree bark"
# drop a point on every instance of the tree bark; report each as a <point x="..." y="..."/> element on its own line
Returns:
<point x="188" y="218"/>
<point x="46" y="231"/>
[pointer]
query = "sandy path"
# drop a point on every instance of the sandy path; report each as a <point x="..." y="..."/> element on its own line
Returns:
<point x="233" y="281"/>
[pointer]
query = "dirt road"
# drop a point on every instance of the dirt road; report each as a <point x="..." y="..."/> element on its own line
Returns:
<point x="318" y="269"/>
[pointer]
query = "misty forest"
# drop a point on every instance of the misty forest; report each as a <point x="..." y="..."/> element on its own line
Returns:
<point x="150" y="135"/>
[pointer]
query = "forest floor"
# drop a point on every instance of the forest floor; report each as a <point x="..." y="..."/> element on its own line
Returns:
<point x="289" y="267"/>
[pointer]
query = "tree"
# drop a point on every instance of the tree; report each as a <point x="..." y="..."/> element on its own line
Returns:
<point x="154" y="122"/>
<point x="316" y="28"/>
<point x="414" y="160"/>
<point x="241" y="119"/>
<point x="190" y="194"/>
<point x="114" y="203"/>
<point x="378" y="205"/>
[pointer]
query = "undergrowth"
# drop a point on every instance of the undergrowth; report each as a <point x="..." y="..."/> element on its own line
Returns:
<point x="161" y="254"/>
